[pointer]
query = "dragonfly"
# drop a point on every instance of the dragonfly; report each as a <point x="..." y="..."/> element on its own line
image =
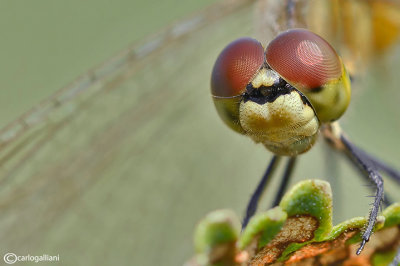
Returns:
<point x="117" y="164"/>
<point x="284" y="95"/>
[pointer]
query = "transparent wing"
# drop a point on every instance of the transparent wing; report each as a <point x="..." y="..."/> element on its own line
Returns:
<point x="118" y="167"/>
<point x="105" y="171"/>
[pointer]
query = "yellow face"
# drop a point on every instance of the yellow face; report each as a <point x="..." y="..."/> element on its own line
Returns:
<point x="282" y="119"/>
<point x="286" y="93"/>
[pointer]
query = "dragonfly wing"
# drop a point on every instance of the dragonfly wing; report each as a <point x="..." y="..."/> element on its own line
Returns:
<point x="110" y="169"/>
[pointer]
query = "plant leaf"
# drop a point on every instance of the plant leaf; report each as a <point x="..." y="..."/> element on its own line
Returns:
<point x="298" y="231"/>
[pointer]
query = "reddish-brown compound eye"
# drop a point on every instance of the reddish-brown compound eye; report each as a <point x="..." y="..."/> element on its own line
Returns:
<point x="235" y="66"/>
<point x="303" y="59"/>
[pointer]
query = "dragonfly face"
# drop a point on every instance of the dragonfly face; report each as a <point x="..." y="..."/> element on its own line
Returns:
<point x="281" y="96"/>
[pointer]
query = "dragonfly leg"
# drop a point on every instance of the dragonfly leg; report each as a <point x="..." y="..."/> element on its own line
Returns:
<point x="285" y="180"/>
<point x="253" y="203"/>
<point x="391" y="172"/>
<point x="376" y="165"/>
<point x="396" y="260"/>
<point x="371" y="171"/>
<point x="334" y="135"/>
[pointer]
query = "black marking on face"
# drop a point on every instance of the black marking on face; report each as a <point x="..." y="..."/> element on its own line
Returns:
<point x="268" y="94"/>
<point x="265" y="94"/>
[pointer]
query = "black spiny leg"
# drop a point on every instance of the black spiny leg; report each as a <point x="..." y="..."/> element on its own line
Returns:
<point x="390" y="171"/>
<point x="253" y="203"/>
<point x="370" y="170"/>
<point x="376" y="165"/>
<point x="285" y="180"/>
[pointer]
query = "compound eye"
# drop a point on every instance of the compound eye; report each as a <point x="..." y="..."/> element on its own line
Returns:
<point x="303" y="59"/>
<point x="235" y="67"/>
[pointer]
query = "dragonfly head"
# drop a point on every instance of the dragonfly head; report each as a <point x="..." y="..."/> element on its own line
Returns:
<point x="280" y="103"/>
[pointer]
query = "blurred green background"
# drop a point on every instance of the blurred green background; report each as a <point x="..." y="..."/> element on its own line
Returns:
<point x="46" y="44"/>
<point x="121" y="174"/>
